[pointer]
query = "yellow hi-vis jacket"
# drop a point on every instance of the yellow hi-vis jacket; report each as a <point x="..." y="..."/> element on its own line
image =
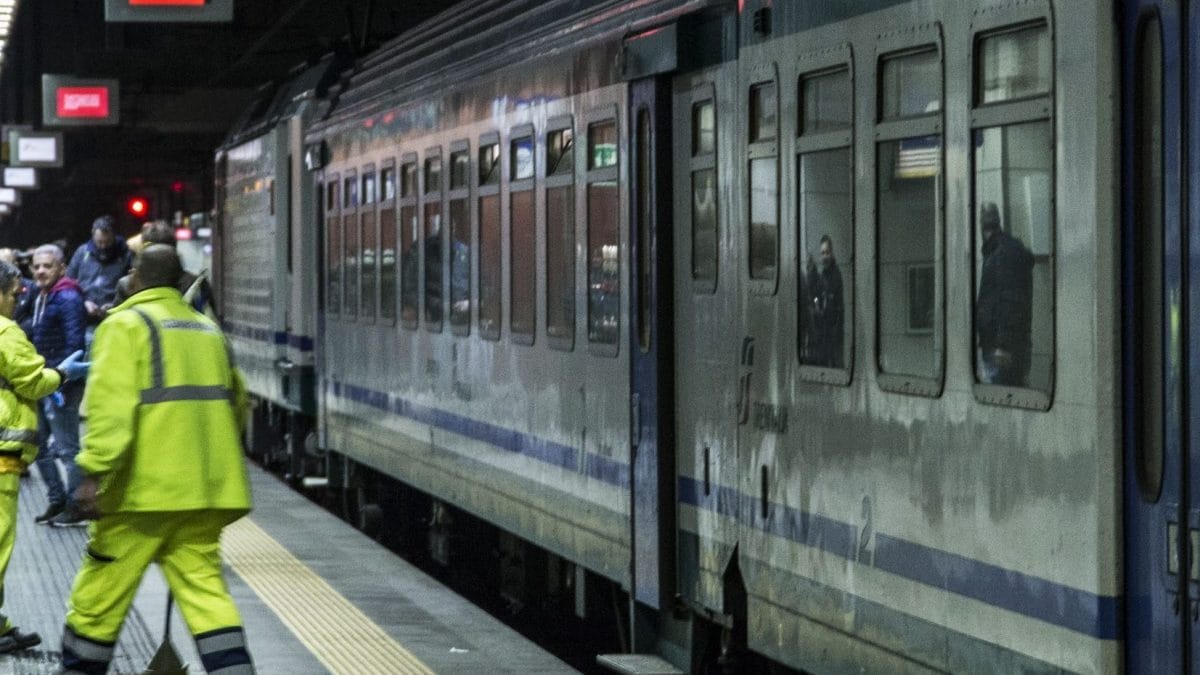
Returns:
<point x="165" y="411"/>
<point x="24" y="378"/>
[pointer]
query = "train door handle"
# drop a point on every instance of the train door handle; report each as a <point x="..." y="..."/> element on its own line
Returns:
<point x="744" y="399"/>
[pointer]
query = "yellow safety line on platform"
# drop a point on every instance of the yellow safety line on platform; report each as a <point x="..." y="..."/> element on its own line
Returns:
<point x="334" y="630"/>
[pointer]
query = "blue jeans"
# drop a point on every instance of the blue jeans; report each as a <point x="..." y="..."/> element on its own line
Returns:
<point x="63" y="424"/>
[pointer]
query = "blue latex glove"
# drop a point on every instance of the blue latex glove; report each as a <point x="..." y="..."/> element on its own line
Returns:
<point x="57" y="399"/>
<point x="73" y="367"/>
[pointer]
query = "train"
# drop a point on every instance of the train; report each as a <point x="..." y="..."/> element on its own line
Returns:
<point x="551" y="264"/>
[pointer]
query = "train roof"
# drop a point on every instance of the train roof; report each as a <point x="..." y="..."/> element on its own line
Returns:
<point x="473" y="39"/>
<point x="275" y="101"/>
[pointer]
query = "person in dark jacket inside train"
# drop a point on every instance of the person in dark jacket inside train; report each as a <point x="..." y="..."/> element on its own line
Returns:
<point x="1003" y="310"/>
<point x="826" y="312"/>
<point x="58" y="327"/>
<point x="98" y="264"/>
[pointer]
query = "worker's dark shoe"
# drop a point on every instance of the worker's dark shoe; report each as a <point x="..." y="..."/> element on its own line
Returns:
<point x="69" y="518"/>
<point x="15" y="640"/>
<point x="53" y="510"/>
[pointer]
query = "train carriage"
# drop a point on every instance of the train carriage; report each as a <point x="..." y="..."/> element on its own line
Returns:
<point x="699" y="297"/>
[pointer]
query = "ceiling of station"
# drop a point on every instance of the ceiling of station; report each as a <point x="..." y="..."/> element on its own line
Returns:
<point x="181" y="86"/>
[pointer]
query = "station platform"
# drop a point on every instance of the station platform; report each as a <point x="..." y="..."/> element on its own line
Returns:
<point x="316" y="596"/>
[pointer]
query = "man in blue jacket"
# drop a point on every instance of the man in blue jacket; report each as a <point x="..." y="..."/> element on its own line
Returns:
<point x="58" y="327"/>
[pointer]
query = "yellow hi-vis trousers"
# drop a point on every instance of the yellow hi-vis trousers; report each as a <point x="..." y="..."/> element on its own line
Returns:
<point x="185" y="545"/>
<point x="10" y="487"/>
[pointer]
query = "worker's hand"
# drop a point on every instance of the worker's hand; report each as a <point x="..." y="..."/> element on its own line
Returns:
<point x="92" y="308"/>
<point x="74" y="367"/>
<point x="85" y="498"/>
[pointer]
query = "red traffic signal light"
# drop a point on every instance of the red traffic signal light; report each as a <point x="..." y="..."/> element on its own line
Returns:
<point x="137" y="206"/>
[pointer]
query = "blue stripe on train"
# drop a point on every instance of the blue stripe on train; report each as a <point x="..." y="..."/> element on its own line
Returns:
<point x="1081" y="611"/>
<point x="302" y="342"/>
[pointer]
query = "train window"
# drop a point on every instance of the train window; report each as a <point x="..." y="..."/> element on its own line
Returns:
<point x="1014" y="261"/>
<point x="704" y="128"/>
<point x="645" y="216"/>
<point x="911" y="84"/>
<point x="387" y="183"/>
<point x="459" y="213"/>
<point x="825" y="102"/>
<point x="826" y="218"/>
<point x="1150" y="383"/>
<point x="460" y="168"/>
<point x="763" y="112"/>
<point x="603" y="230"/>
<point x="408" y="180"/>
<point x="368" y="188"/>
<point x="704" y="192"/>
<point x="602" y="145"/>
<point x="349" y="193"/>
<point x="522" y="251"/>
<point x="432" y="243"/>
<point x="560" y="152"/>
<point x="825" y="240"/>
<point x="369" y="269"/>
<point x="331" y="196"/>
<point x="763" y="183"/>
<point x="560" y="238"/>
<point x="387" y="253"/>
<point x="1013" y="216"/>
<point x="764" y="217"/>
<point x="350" y="251"/>
<point x="1013" y="64"/>
<point x="909" y="256"/>
<point x="333" y="290"/>
<point x="521" y="156"/>
<point x="489" y="164"/>
<point x="490" y="270"/>
<point x="409" y="271"/>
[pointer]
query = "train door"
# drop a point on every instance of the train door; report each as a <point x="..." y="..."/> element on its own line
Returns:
<point x="1162" y="492"/>
<point x="709" y="350"/>
<point x="651" y="358"/>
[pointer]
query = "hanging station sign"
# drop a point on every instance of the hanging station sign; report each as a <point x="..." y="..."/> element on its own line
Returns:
<point x="23" y="177"/>
<point x="69" y="101"/>
<point x="169" y="11"/>
<point x="35" y="148"/>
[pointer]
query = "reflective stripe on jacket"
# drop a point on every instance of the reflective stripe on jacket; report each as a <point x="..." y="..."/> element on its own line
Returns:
<point x="165" y="411"/>
<point x="25" y="380"/>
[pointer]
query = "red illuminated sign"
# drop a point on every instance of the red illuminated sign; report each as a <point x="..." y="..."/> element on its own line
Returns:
<point x="167" y="3"/>
<point x="82" y="102"/>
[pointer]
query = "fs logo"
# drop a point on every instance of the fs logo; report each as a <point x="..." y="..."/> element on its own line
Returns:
<point x="86" y="102"/>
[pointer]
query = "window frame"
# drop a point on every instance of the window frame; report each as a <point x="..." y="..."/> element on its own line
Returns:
<point x="896" y="129"/>
<point x="385" y="203"/>
<point x="558" y="123"/>
<point x="827" y="62"/>
<point x="454" y="194"/>
<point x="367" y="173"/>
<point x="758" y="150"/>
<point x="997" y="114"/>
<point x="333" y="213"/>
<point x="514" y="186"/>
<point x="706" y="91"/>
<point x="412" y="200"/>
<point x="350" y="210"/>
<point x="438" y="198"/>
<point x="609" y="113"/>
<point x="493" y="189"/>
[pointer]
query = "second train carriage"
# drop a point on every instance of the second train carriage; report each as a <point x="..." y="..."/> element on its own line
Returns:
<point x="562" y="253"/>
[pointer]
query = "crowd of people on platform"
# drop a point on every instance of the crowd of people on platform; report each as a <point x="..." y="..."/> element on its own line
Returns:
<point x="117" y="331"/>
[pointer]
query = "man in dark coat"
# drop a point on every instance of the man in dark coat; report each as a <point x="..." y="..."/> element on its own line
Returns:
<point x="97" y="265"/>
<point x="1003" y="310"/>
<point x="826" y="310"/>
